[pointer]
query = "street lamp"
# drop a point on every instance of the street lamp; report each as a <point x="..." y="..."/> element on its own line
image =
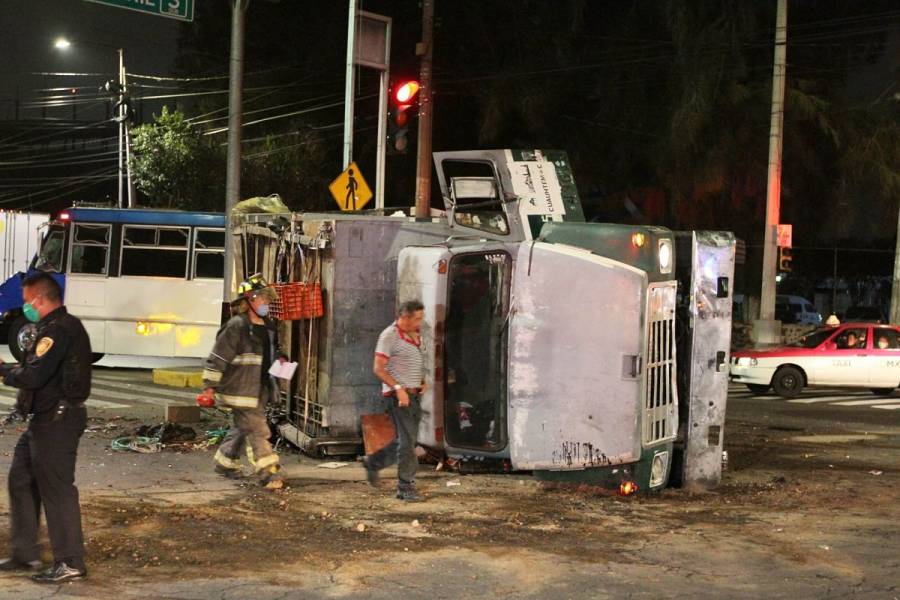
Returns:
<point x="64" y="44"/>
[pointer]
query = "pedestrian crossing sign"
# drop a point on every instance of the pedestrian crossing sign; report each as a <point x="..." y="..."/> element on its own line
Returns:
<point x="350" y="190"/>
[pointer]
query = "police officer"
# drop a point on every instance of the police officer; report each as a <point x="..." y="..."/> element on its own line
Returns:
<point x="54" y="380"/>
<point x="237" y="371"/>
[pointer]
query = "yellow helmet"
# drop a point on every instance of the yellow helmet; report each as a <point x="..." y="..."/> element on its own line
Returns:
<point x="254" y="286"/>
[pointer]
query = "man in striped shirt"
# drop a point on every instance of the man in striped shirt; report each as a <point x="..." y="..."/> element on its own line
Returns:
<point x="400" y="365"/>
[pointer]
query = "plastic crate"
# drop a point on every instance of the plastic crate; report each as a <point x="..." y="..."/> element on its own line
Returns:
<point x="297" y="301"/>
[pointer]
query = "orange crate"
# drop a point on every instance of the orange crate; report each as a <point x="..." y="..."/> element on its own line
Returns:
<point x="297" y="301"/>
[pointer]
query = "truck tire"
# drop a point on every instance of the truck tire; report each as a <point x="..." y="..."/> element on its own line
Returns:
<point x="788" y="382"/>
<point x="21" y="332"/>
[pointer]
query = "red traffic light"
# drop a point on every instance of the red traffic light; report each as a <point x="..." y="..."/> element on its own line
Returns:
<point x="405" y="92"/>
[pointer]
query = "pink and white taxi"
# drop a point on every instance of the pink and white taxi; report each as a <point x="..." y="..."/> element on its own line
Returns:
<point x="863" y="355"/>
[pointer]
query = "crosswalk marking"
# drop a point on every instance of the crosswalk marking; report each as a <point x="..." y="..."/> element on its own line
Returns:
<point x="866" y="402"/>
<point x="834" y="399"/>
<point x="7" y="401"/>
<point x="861" y="398"/>
<point x="108" y="392"/>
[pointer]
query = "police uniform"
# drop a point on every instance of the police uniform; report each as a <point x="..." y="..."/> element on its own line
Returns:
<point x="54" y="380"/>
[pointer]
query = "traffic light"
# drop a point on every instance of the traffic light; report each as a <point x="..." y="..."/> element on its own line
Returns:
<point x="784" y="259"/>
<point x="404" y="107"/>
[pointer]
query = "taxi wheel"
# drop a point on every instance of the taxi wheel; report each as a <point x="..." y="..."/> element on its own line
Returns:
<point x="757" y="389"/>
<point x="788" y="382"/>
<point x="882" y="391"/>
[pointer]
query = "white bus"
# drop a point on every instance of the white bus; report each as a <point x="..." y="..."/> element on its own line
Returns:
<point x="144" y="282"/>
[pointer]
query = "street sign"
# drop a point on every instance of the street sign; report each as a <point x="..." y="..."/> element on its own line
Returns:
<point x="350" y="190"/>
<point x="175" y="9"/>
<point x="785" y="234"/>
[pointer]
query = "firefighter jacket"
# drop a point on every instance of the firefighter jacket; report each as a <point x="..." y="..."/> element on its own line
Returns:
<point x="234" y="368"/>
<point x="55" y="369"/>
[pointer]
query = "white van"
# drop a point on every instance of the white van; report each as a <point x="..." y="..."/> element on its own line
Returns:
<point x="797" y="310"/>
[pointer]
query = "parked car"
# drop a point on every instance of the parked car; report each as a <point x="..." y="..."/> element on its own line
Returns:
<point x="796" y="310"/>
<point x="869" y="314"/>
<point x="864" y="355"/>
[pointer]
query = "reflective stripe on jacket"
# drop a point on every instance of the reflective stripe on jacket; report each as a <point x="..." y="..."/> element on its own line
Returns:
<point x="234" y="367"/>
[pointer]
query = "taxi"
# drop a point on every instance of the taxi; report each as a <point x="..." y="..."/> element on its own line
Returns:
<point x="865" y="355"/>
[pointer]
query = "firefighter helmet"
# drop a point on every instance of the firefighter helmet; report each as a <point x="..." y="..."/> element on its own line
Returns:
<point x="254" y="286"/>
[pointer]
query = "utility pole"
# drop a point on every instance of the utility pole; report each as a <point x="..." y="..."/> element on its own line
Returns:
<point x="121" y="124"/>
<point x="423" y="156"/>
<point x="233" y="173"/>
<point x="895" y="287"/>
<point x="767" y="329"/>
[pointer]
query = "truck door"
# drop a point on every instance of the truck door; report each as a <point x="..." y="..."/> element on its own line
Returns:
<point x="465" y="291"/>
<point x="574" y="359"/>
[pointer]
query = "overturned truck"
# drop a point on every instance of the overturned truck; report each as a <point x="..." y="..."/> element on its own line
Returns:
<point x="552" y="344"/>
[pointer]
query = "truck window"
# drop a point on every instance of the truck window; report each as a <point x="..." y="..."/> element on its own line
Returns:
<point x="476" y="196"/>
<point x="475" y="385"/>
<point x="90" y="248"/>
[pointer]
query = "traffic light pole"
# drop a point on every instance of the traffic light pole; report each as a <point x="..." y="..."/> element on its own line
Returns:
<point x="423" y="153"/>
<point x="349" y="84"/>
<point x="767" y="330"/>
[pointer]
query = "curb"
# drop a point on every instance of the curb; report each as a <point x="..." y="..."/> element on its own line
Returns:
<point x="178" y="378"/>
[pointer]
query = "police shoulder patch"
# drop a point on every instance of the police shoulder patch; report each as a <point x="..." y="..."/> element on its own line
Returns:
<point x="43" y="346"/>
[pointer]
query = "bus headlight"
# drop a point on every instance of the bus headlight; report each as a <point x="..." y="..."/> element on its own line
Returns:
<point x="665" y="255"/>
<point x="746" y="361"/>
<point x="658" y="469"/>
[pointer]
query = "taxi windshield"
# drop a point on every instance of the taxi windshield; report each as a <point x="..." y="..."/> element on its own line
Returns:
<point x="811" y="340"/>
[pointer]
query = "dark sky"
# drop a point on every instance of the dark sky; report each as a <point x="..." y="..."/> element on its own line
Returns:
<point x="29" y="27"/>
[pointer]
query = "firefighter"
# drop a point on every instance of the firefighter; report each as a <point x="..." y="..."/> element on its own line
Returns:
<point x="237" y="373"/>
<point x="54" y="380"/>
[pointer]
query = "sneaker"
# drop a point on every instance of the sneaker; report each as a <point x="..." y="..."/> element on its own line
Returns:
<point x="229" y="473"/>
<point x="408" y="493"/>
<point x="371" y="473"/>
<point x="59" y="573"/>
<point x="12" y="564"/>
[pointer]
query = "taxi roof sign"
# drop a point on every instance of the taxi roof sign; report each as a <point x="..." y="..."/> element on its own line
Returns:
<point x="350" y="190"/>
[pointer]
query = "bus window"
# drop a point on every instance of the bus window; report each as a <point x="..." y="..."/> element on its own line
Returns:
<point x="209" y="254"/>
<point x="51" y="255"/>
<point x="90" y="248"/>
<point x="154" y="251"/>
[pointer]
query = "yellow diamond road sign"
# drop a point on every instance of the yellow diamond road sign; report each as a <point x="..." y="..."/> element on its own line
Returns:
<point x="350" y="190"/>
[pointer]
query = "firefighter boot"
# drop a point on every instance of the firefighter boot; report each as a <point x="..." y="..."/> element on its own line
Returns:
<point x="229" y="473"/>
<point x="271" y="479"/>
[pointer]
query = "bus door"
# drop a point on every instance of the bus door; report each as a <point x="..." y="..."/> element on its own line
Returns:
<point x="574" y="359"/>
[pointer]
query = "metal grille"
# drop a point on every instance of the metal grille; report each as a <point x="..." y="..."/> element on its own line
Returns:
<point x="660" y="400"/>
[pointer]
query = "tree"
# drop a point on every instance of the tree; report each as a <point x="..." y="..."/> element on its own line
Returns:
<point x="173" y="167"/>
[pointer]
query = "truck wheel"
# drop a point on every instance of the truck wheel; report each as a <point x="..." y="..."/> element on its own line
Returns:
<point x="757" y="389"/>
<point x="788" y="382"/>
<point x="21" y="336"/>
<point x="882" y="391"/>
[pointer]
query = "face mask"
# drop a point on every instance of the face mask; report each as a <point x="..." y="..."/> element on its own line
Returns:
<point x="30" y="312"/>
<point x="262" y="310"/>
